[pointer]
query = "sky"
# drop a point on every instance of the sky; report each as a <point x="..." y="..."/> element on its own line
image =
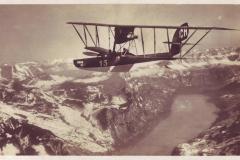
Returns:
<point x="40" y="32"/>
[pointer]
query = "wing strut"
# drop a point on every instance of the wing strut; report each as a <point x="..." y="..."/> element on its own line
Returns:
<point x="121" y="46"/>
<point x="190" y="37"/>
<point x="168" y="41"/>
<point x="196" y="43"/>
<point x="142" y="43"/>
<point x="114" y="43"/>
<point x="109" y="38"/>
<point x="79" y="35"/>
<point x="135" y="46"/>
<point x="90" y="36"/>
<point x="154" y="34"/>
<point x="85" y="35"/>
<point x="97" y="36"/>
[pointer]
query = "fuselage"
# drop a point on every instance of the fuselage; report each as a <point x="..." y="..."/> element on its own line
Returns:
<point x="117" y="59"/>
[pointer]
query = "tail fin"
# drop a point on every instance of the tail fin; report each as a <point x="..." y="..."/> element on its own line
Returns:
<point x="180" y="35"/>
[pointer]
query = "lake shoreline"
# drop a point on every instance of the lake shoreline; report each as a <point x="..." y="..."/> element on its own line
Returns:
<point x="150" y="127"/>
<point x="161" y="120"/>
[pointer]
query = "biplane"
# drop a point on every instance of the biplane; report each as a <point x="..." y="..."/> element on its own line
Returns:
<point x="124" y="35"/>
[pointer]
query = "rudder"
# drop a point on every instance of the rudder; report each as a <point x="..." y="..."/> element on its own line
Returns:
<point x="180" y="35"/>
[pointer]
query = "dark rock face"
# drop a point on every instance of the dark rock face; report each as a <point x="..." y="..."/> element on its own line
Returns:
<point x="16" y="92"/>
<point x="76" y="93"/>
<point x="6" y="71"/>
<point x="104" y="117"/>
<point x="23" y="94"/>
<point x="148" y="100"/>
<point x="24" y="136"/>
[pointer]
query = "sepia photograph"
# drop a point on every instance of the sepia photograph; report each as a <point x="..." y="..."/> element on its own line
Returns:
<point x="120" y="79"/>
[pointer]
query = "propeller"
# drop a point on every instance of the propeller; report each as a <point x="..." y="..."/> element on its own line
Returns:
<point x="88" y="53"/>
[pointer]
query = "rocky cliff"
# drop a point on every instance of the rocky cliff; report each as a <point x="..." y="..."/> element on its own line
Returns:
<point x="222" y="138"/>
<point x="52" y="108"/>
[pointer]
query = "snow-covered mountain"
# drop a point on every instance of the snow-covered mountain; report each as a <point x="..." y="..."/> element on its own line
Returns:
<point x="83" y="112"/>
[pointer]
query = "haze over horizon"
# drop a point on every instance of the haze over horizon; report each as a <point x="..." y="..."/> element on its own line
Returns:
<point x="40" y="32"/>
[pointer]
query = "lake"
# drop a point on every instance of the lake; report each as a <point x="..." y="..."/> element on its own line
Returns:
<point x="190" y="115"/>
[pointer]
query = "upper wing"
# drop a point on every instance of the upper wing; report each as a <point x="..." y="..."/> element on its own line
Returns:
<point x="150" y="26"/>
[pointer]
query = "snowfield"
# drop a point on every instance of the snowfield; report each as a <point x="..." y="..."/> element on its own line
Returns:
<point x="67" y="124"/>
<point x="64" y="100"/>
